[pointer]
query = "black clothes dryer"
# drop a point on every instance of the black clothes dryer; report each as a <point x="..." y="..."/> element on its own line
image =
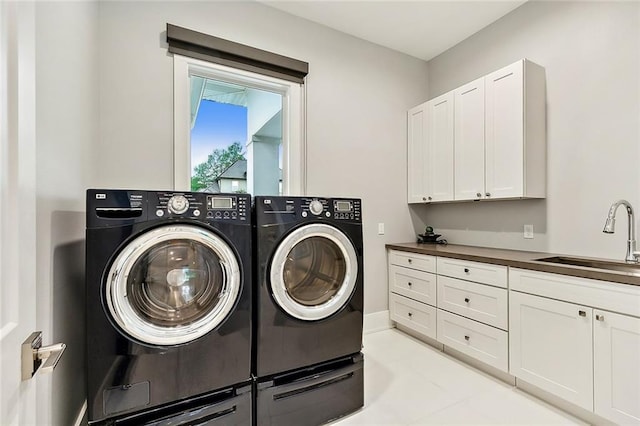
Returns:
<point x="168" y="298"/>
<point x="308" y="307"/>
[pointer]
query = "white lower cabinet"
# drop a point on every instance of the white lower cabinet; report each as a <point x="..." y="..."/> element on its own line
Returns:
<point x="414" y="315"/>
<point x="616" y="368"/>
<point x="479" y="302"/>
<point x="465" y="308"/>
<point x="575" y="338"/>
<point x="480" y="341"/>
<point x="551" y="346"/>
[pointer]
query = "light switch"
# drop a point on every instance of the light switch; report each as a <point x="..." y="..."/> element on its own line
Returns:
<point x="381" y="229"/>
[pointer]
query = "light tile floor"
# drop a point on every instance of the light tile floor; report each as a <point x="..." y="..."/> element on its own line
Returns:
<point x="408" y="382"/>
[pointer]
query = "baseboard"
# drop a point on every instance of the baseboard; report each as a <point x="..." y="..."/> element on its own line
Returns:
<point x="376" y="321"/>
<point x="81" y="418"/>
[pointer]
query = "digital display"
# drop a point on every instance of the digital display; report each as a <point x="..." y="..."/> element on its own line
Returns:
<point x="220" y="203"/>
<point x="343" y="206"/>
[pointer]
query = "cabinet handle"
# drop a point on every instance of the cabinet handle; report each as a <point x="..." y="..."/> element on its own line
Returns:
<point x="424" y="198"/>
<point x="582" y="313"/>
<point x="409" y="284"/>
<point x="488" y="194"/>
<point x="600" y="317"/>
<point x="466" y="338"/>
<point x="478" y="195"/>
<point x="409" y="260"/>
<point x="466" y="270"/>
<point x="410" y="314"/>
<point x="466" y="300"/>
<point x="429" y="198"/>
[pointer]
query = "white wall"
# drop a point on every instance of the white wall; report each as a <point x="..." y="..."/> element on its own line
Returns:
<point x="591" y="54"/>
<point x="66" y="125"/>
<point x="357" y="97"/>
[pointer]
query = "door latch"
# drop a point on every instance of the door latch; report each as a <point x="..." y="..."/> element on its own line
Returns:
<point x="36" y="357"/>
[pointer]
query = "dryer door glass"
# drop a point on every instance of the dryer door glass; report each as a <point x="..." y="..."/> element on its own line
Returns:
<point x="313" y="272"/>
<point x="173" y="284"/>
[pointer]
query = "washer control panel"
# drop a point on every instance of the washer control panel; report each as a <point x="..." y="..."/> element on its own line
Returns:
<point x="206" y="206"/>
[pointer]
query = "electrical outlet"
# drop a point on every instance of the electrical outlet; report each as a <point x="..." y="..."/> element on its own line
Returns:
<point x="381" y="229"/>
<point x="528" y="231"/>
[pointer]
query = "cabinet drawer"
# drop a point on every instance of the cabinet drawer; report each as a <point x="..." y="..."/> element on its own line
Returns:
<point x="417" y="285"/>
<point x="485" y="343"/>
<point x="485" y="273"/>
<point x="414" y="315"/>
<point x="472" y="300"/>
<point x="413" y="260"/>
<point x="622" y="298"/>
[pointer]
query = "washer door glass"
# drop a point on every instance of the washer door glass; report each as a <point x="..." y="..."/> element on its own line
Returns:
<point x="172" y="285"/>
<point x="313" y="272"/>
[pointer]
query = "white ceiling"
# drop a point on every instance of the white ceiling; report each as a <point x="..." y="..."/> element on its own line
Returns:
<point x="420" y="28"/>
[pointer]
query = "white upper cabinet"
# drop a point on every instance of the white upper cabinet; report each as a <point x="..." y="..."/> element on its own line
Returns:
<point x="469" y="141"/>
<point x="484" y="140"/>
<point x="515" y="132"/>
<point x="440" y="148"/>
<point x="417" y="154"/>
<point x="430" y="151"/>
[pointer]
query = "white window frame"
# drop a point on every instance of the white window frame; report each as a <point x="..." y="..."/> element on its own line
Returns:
<point x="293" y="119"/>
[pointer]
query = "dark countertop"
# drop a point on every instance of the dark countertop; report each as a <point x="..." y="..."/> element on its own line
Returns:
<point x="520" y="259"/>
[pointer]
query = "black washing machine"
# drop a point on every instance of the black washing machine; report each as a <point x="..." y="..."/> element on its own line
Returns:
<point x="168" y="298"/>
<point x="308" y="309"/>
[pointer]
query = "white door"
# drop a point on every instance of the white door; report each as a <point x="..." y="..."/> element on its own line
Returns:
<point x="504" y="138"/>
<point x="550" y="345"/>
<point x="616" y="347"/>
<point x="17" y="207"/>
<point x="469" y="141"/>
<point x="416" y="154"/>
<point x="440" y="148"/>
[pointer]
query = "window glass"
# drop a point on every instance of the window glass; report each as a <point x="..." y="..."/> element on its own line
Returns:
<point x="233" y="125"/>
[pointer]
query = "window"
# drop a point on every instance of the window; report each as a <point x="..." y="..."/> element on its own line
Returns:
<point x="274" y="148"/>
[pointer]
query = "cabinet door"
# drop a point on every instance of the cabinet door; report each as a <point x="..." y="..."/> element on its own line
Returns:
<point x="417" y="154"/>
<point x="617" y="367"/>
<point x="504" y="132"/>
<point x="550" y="346"/>
<point x="469" y="141"/>
<point x="440" y="148"/>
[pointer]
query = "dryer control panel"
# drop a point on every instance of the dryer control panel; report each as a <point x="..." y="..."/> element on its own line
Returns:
<point x="226" y="207"/>
<point x="288" y="209"/>
<point x="335" y="208"/>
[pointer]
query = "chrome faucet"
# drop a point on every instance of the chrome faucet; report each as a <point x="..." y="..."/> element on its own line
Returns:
<point x="632" y="256"/>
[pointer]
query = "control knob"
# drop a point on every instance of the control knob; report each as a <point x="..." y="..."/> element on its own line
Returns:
<point x="178" y="204"/>
<point x="316" y="207"/>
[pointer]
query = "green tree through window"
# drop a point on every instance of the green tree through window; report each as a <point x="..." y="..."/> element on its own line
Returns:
<point x="206" y="174"/>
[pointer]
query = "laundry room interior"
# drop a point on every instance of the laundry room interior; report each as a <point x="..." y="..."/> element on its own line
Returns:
<point x="89" y="97"/>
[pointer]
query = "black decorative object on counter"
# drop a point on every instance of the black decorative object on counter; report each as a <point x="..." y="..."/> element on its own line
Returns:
<point x="429" y="237"/>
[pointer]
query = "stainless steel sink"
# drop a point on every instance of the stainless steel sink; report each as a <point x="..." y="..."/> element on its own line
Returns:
<point x="633" y="268"/>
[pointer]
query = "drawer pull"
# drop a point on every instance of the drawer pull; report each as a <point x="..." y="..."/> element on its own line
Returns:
<point x="466" y="338"/>
<point x="600" y="317"/>
<point x="409" y="284"/>
<point x="410" y="314"/>
<point x="466" y="270"/>
<point x="466" y="300"/>
<point x="582" y="313"/>
<point x="409" y="260"/>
